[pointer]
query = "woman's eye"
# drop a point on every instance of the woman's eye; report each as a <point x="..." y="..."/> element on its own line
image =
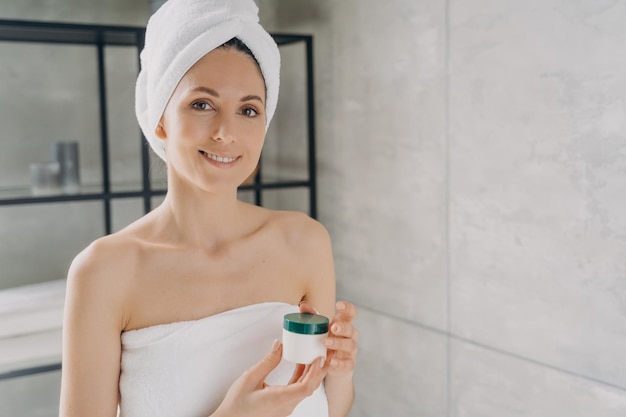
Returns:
<point x="250" y="112"/>
<point x="201" y="105"/>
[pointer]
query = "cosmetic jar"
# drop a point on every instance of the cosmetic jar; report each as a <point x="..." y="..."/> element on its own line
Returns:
<point x="303" y="337"/>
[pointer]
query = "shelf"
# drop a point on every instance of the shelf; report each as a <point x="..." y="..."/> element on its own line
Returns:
<point x="30" y="328"/>
<point x="49" y="32"/>
<point x="43" y="32"/>
<point x="23" y="195"/>
<point x="103" y="35"/>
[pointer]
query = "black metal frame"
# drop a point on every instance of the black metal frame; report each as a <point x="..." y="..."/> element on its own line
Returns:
<point x="108" y="35"/>
<point x="101" y="36"/>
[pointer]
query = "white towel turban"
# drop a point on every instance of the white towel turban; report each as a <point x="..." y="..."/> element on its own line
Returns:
<point x="183" y="31"/>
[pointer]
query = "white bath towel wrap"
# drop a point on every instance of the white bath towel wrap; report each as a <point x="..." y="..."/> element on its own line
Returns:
<point x="184" y="369"/>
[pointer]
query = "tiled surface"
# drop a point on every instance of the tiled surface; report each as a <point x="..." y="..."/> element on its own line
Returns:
<point x="536" y="166"/>
<point x="32" y="102"/>
<point x="51" y="234"/>
<point x="401" y="369"/>
<point x="381" y="148"/>
<point x="43" y="85"/>
<point x="122" y="12"/>
<point x="383" y="172"/>
<point x="538" y="189"/>
<point x="31" y="396"/>
<point x="489" y="384"/>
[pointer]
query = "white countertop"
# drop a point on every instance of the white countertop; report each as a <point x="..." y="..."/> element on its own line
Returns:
<point x="31" y="318"/>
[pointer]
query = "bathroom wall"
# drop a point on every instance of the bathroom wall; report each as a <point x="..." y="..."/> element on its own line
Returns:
<point x="54" y="97"/>
<point x="472" y="165"/>
<point x="119" y="12"/>
<point x="41" y="85"/>
<point x="472" y="175"/>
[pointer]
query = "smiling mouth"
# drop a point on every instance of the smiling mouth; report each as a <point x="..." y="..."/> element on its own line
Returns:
<point x="217" y="158"/>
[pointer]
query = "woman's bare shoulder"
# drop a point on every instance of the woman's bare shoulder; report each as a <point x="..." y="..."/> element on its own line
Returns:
<point x="111" y="253"/>
<point x="100" y="276"/>
<point x="301" y="233"/>
<point x="115" y="255"/>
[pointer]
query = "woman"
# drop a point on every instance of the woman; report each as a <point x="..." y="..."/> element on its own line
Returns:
<point x="171" y="316"/>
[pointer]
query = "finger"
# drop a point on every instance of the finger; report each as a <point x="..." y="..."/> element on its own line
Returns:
<point x="314" y="375"/>
<point x="341" y="344"/>
<point x="258" y="372"/>
<point x="342" y="365"/>
<point x="346" y="310"/>
<point x="305" y="307"/>
<point x="297" y="391"/>
<point x="306" y="369"/>
<point x="297" y="373"/>
<point x="330" y="354"/>
<point x="344" y="329"/>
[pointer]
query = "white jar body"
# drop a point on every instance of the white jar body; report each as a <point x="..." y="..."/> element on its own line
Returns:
<point x="303" y="348"/>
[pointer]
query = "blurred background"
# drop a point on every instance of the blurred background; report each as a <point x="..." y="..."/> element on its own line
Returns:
<point x="471" y="170"/>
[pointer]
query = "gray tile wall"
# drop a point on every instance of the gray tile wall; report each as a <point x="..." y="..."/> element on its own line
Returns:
<point x="472" y="163"/>
<point x="537" y="185"/>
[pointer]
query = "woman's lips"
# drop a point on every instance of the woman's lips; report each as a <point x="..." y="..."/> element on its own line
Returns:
<point x="222" y="160"/>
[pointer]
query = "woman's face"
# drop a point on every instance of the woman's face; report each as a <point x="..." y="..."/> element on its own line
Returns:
<point x="214" y="123"/>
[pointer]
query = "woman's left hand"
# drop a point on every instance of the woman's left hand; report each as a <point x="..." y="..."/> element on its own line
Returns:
<point x="342" y="338"/>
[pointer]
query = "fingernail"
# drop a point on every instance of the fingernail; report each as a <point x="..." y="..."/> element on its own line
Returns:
<point x="328" y="342"/>
<point x="336" y="328"/>
<point x="341" y="305"/>
<point x="322" y="360"/>
<point x="275" y="345"/>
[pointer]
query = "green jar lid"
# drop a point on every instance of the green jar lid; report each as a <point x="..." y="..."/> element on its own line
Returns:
<point x="305" y="323"/>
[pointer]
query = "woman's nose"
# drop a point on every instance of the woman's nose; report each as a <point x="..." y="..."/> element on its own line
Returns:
<point x="224" y="129"/>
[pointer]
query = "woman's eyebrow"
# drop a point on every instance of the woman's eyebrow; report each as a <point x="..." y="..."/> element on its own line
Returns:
<point x="252" y="97"/>
<point x="207" y="90"/>
<point x="214" y="93"/>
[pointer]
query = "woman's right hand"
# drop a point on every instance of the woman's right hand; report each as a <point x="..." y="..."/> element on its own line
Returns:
<point x="250" y="396"/>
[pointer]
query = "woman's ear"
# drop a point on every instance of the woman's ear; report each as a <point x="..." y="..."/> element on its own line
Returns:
<point x="160" y="131"/>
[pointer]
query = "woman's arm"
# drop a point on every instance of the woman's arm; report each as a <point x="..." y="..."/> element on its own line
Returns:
<point x="342" y="336"/>
<point x="92" y="324"/>
<point x="342" y="343"/>
<point x="342" y="358"/>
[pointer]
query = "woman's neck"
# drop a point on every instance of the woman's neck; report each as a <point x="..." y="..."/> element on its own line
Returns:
<point x="197" y="217"/>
